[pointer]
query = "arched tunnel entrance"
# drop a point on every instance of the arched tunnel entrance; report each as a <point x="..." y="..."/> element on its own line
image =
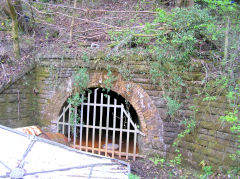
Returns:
<point x="104" y="123"/>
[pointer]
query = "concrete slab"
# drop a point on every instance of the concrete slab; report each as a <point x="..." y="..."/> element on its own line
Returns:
<point x="26" y="156"/>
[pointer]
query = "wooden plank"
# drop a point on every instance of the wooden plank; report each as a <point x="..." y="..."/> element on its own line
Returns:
<point x="100" y="125"/>
<point x="107" y="124"/>
<point x="114" y="126"/>
<point x="128" y="128"/>
<point x="88" y="111"/>
<point x="81" y="124"/>
<point x="94" y="118"/>
<point x="120" y="135"/>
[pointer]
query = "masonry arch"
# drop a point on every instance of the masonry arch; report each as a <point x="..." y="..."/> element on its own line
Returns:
<point x="146" y="111"/>
<point x="104" y="123"/>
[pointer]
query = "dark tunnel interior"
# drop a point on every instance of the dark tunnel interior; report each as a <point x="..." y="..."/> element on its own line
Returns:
<point x="102" y="112"/>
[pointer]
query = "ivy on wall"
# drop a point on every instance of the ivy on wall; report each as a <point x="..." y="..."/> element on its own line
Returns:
<point x="206" y="35"/>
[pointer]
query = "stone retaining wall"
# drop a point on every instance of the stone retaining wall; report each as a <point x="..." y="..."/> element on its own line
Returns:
<point x="18" y="103"/>
<point x="211" y="141"/>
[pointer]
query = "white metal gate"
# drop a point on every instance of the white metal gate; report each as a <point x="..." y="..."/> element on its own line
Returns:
<point x="100" y="125"/>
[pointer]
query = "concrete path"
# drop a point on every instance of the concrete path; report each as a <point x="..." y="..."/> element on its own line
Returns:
<point x="26" y="156"/>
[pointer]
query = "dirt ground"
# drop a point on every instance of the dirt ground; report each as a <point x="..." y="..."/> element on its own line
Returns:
<point x="90" y="29"/>
<point x="146" y="169"/>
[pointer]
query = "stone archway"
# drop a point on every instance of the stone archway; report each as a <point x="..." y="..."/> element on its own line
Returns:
<point x="149" y="119"/>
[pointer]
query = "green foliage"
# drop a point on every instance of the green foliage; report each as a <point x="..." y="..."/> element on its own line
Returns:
<point x="72" y="119"/>
<point x="85" y="58"/>
<point x="125" y="72"/>
<point x="232" y="117"/>
<point x="111" y="78"/>
<point x="184" y="28"/>
<point x="207" y="172"/>
<point x="209" y="98"/>
<point x="5" y="24"/>
<point x="221" y="6"/>
<point x="172" y="105"/>
<point x="177" y="37"/>
<point x="133" y="176"/>
<point x="190" y="125"/>
<point x="50" y="20"/>
<point x="156" y="160"/>
<point x="81" y="79"/>
<point x="75" y="100"/>
<point x="177" y="160"/>
<point x="177" y="40"/>
<point x="44" y="1"/>
<point x="39" y="6"/>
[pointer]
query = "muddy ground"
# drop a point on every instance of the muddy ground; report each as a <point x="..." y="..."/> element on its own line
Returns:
<point x="147" y="169"/>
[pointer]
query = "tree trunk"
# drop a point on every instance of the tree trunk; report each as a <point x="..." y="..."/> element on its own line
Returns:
<point x="15" y="36"/>
<point x="72" y="24"/>
<point x="226" y="40"/>
<point x="21" y="17"/>
<point x="184" y="3"/>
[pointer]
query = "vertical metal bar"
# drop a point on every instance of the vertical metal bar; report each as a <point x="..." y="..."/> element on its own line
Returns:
<point x="114" y="126"/>
<point x="107" y="125"/>
<point x="120" y="135"/>
<point x="94" y="119"/>
<point x="58" y="124"/>
<point x="100" y="126"/>
<point x="128" y="128"/>
<point x="135" y="142"/>
<point x="63" y="120"/>
<point x="69" y="123"/>
<point x="81" y="124"/>
<point x="75" y="122"/>
<point x="88" y="110"/>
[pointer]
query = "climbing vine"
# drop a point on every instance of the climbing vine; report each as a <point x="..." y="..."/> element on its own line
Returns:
<point x="207" y="34"/>
<point x="177" y="42"/>
<point x="110" y="79"/>
<point x="81" y="79"/>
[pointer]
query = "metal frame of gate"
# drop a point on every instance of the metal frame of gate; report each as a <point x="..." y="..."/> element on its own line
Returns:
<point x="65" y="126"/>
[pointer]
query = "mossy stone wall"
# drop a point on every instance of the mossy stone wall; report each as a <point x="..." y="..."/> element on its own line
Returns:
<point x="19" y="103"/>
<point x="210" y="141"/>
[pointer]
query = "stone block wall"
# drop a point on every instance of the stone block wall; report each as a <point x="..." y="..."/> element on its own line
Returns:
<point x="18" y="103"/>
<point x="63" y="69"/>
<point x="210" y="141"/>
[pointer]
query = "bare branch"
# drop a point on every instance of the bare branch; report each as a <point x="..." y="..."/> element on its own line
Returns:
<point x="92" y="10"/>
<point x="4" y="72"/>
<point x="72" y="23"/>
<point x="69" y="16"/>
